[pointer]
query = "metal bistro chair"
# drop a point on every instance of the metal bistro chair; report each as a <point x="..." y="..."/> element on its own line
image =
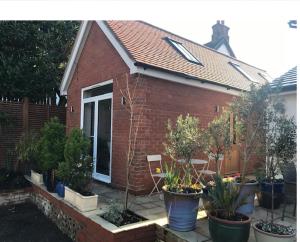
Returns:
<point x="156" y="176"/>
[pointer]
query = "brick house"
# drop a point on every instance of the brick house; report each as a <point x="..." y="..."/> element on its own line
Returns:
<point x="178" y="77"/>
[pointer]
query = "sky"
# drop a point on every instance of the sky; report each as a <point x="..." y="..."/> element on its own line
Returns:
<point x="267" y="43"/>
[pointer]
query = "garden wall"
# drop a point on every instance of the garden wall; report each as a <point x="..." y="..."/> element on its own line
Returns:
<point x="18" y="116"/>
<point x="81" y="228"/>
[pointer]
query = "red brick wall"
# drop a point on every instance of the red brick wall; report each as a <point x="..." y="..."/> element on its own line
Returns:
<point x="166" y="100"/>
<point x="100" y="62"/>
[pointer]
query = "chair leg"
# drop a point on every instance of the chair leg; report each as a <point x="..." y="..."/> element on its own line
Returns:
<point x="155" y="186"/>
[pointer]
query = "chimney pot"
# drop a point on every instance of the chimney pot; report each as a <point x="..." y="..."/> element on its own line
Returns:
<point x="220" y="30"/>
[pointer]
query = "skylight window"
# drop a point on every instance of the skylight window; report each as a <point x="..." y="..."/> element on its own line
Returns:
<point x="183" y="51"/>
<point x="240" y="69"/>
<point x="265" y="76"/>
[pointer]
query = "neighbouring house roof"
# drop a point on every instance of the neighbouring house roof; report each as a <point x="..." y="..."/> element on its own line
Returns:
<point x="217" y="44"/>
<point x="287" y="81"/>
<point x="145" y="49"/>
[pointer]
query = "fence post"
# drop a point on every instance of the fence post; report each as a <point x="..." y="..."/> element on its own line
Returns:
<point x="25" y="112"/>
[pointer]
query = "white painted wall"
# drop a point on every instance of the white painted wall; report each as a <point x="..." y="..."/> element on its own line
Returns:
<point x="290" y="102"/>
<point x="223" y="50"/>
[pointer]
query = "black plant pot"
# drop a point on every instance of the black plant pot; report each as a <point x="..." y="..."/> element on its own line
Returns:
<point x="265" y="196"/>
<point x="49" y="180"/>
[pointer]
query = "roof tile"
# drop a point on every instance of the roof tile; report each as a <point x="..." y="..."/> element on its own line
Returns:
<point x="146" y="44"/>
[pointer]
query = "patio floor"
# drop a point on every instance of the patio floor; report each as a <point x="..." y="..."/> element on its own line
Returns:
<point x="153" y="209"/>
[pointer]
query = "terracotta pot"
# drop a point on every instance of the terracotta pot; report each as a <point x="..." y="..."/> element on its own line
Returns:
<point x="262" y="236"/>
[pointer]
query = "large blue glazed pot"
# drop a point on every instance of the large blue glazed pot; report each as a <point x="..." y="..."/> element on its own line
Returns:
<point x="182" y="210"/>
<point x="60" y="189"/>
<point x="247" y="193"/>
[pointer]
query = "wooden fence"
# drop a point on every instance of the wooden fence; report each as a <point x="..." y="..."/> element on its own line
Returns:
<point x="18" y="116"/>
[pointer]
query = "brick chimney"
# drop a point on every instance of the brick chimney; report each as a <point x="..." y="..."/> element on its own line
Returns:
<point x="220" y="30"/>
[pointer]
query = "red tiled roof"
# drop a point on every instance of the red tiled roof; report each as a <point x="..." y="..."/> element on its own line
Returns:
<point x="146" y="44"/>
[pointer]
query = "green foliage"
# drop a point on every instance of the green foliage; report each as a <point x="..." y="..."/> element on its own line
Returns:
<point x="114" y="214"/>
<point x="27" y="150"/>
<point x="286" y="146"/>
<point x="51" y="144"/>
<point x="275" y="228"/>
<point x="27" y="147"/>
<point x="172" y="177"/>
<point x="183" y="141"/>
<point x="76" y="170"/>
<point x="250" y="110"/>
<point x="224" y="195"/>
<point x="216" y="138"/>
<point x="33" y="56"/>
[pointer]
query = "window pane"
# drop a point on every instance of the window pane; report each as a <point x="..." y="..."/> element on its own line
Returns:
<point x="184" y="51"/>
<point x="104" y="137"/>
<point x="98" y="91"/>
<point x="88" y="123"/>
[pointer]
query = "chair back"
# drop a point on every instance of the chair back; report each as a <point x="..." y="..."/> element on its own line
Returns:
<point x="154" y="159"/>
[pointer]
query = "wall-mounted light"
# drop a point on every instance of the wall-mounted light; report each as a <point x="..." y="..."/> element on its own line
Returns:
<point x="217" y="108"/>
<point x="71" y="109"/>
<point x="123" y="100"/>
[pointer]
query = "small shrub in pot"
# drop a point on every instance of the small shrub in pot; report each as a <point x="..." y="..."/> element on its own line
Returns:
<point x="76" y="171"/>
<point x="51" y="149"/>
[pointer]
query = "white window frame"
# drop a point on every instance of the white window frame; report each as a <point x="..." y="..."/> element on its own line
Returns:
<point x="244" y="73"/>
<point x="184" y="51"/>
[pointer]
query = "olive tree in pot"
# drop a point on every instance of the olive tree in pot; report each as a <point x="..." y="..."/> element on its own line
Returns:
<point x="51" y="150"/>
<point x="249" y="117"/>
<point x="225" y="223"/>
<point x="280" y="150"/>
<point x="217" y="142"/>
<point x="181" y="196"/>
<point x="280" y="146"/>
<point x="76" y="172"/>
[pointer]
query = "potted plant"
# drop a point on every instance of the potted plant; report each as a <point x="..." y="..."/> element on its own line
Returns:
<point x="225" y="223"/>
<point x="76" y="172"/>
<point x="27" y="152"/>
<point x="249" y="118"/>
<point x="181" y="196"/>
<point x="217" y="142"/>
<point x="51" y="150"/>
<point x="280" y="150"/>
